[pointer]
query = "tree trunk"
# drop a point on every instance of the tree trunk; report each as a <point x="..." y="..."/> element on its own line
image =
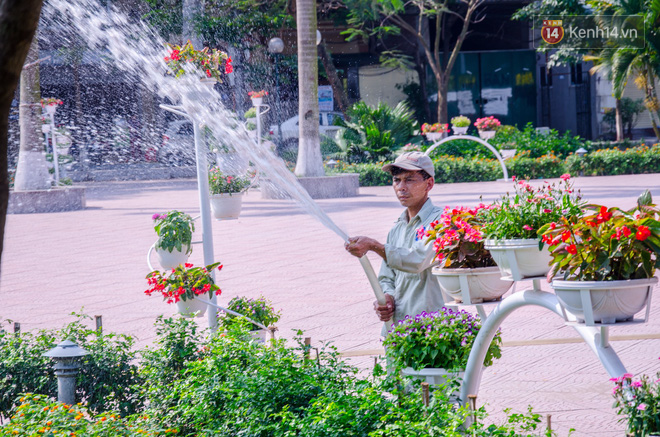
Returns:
<point x="420" y="68"/>
<point x="650" y="83"/>
<point x="337" y="87"/>
<point x="31" y="170"/>
<point x="191" y="9"/>
<point x="18" y="23"/>
<point x="309" y="162"/>
<point x="443" y="111"/>
<point x="619" y="120"/>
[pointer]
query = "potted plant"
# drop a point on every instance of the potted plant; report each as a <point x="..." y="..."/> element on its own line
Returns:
<point x="50" y="105"/>
<point x="227" y="193"/>
<point x="251" y="115"/>
<point x="460" y="125"/>
<point x="257" y="97"/>
<point x="182" y="284"/>
<point x="213" y="64"/>
<point x="435" y="131"/>
<point x="174" y="230"/>
<point x="604" y="262"/>
<point x="259" y="310"/>
<point x="510" y="225"/>
<point x="437" y="344"/>
<point x="638" y="401"/>
<point x="466" y="271"/>
<point x="487" y="127"/>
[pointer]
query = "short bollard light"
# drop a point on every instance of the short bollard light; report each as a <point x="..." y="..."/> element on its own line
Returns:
<point x="581" y="152"/>
<point x="67" y="362"/>
<point x="332" y="164"/>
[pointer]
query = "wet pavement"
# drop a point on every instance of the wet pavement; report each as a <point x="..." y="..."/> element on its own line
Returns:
<point x="95" y="261"/>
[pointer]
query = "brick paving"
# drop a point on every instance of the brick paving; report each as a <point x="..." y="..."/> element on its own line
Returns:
<point x="95" y="260"/>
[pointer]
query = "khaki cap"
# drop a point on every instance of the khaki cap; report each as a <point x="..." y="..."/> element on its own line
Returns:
<point x="413" y="161"/>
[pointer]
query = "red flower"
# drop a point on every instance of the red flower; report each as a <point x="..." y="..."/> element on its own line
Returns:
<point x="603" y="215"/>
<point x="228" y="67"/>
<point x="565" y="236"/>
<point x="643" y="233"/>
<point x="175" y="55"/>
<point x="208" y="73"/>
<point x="571" y="249"/>
<point x="188" y="265"/>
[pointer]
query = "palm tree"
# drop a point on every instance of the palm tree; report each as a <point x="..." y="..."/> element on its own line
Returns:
<point x="621" y="64"/>
<point x="310" y="162"/>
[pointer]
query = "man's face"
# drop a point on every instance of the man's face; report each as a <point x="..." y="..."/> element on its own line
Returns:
<point x="411" y="188"/>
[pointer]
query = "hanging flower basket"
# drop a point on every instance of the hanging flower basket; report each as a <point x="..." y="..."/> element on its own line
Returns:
<point x="519" y="259"/>
<point x="169" y="260"/>
<point x="191" y="307"/>
<point x="226" y="206"/>
<point x="604" y="302"/>
<point x="474" y="286"/>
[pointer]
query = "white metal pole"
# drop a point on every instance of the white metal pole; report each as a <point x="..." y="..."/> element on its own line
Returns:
<point x="55" y="158"/>
<point x="258" y="126"/>
<point x="205" y="209"/>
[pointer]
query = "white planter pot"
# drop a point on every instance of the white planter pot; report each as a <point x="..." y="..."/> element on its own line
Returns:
<point x="257" y="101"/>
<point x="259" y="335"/>
<point x="435" y="136"/>
<point x="188" y="307"/>
<point x="169" y="260"/>
<point x="435" y="376"/>
<point x="45" y="128"/>
<point x="486" y="134"/>
<point x="50" y="109"/>
<point x="508" y="153"/>
<point x="473" y="285"/>
<point x="460" y="130"/>
<point x="519" y="258"/>
<point x="604" y="301"/>
<point x="226" y="206"/>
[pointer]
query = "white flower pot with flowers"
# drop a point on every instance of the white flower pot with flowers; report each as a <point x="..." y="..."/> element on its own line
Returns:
<point x="487" y="127"/>
<point x="467" y="271"/>
<point x="604" y="261"/>
<point x="257" y="97"/>
<point x="50" y="105"/>
<point x="258" y="310"/>
<point x="460" y="125"/>
<point x="174" y="245"/>
<point x="435" y="132"/>
<point x="182" y="284"/>
<point x="511" y="224"/>
<point x="431" y="346"/>
<point x="227" y="193"/>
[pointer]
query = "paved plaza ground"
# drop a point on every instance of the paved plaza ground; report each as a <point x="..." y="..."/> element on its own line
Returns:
<point x="95" y="259"/>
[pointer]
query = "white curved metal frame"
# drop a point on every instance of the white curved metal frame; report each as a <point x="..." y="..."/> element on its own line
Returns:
<point x="476" y="139"/>
<point x="597" y="338"/>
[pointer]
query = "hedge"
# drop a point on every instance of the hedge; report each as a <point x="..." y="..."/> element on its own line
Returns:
<point x="452" y="169"/>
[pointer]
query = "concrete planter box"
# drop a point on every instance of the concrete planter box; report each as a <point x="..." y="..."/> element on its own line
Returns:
<point x="54" y="200"/>
<point x="323" y="187"/>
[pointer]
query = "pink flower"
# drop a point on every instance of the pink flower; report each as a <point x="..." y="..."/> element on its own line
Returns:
<point x="527" y="227"/>
<point x="636" y="384"/>
<point x="641" y="407"/>
<point x="547" y="211"/>
<point x="565" y="177"/>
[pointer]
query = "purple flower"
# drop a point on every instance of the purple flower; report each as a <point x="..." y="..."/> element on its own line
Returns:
<point x="155" y="217"/>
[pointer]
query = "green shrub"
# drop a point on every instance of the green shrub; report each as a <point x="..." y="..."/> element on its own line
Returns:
<point x="592" y="146"/>
<point x="538" y="144"/>
<point x="524" y="167"/>
<point x="105" y="380"/>
<point x="616" y="162"/>
<point x="449" y="169"/>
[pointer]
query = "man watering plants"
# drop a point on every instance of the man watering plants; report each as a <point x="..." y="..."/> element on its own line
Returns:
<point x="405" y="275"/>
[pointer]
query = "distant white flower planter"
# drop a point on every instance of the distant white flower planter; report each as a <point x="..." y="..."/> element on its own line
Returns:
<point x="226" y="206"/>
<point x="257" y="101"/>
<point x="486" y="134"/>
<point x="460" y="130"/>
<point x="508" y="153"/>
<point x="50" y="109"/>
<point x="435" y="136"/>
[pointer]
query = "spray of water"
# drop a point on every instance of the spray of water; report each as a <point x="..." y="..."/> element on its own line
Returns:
<point x="139" y="51"/>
